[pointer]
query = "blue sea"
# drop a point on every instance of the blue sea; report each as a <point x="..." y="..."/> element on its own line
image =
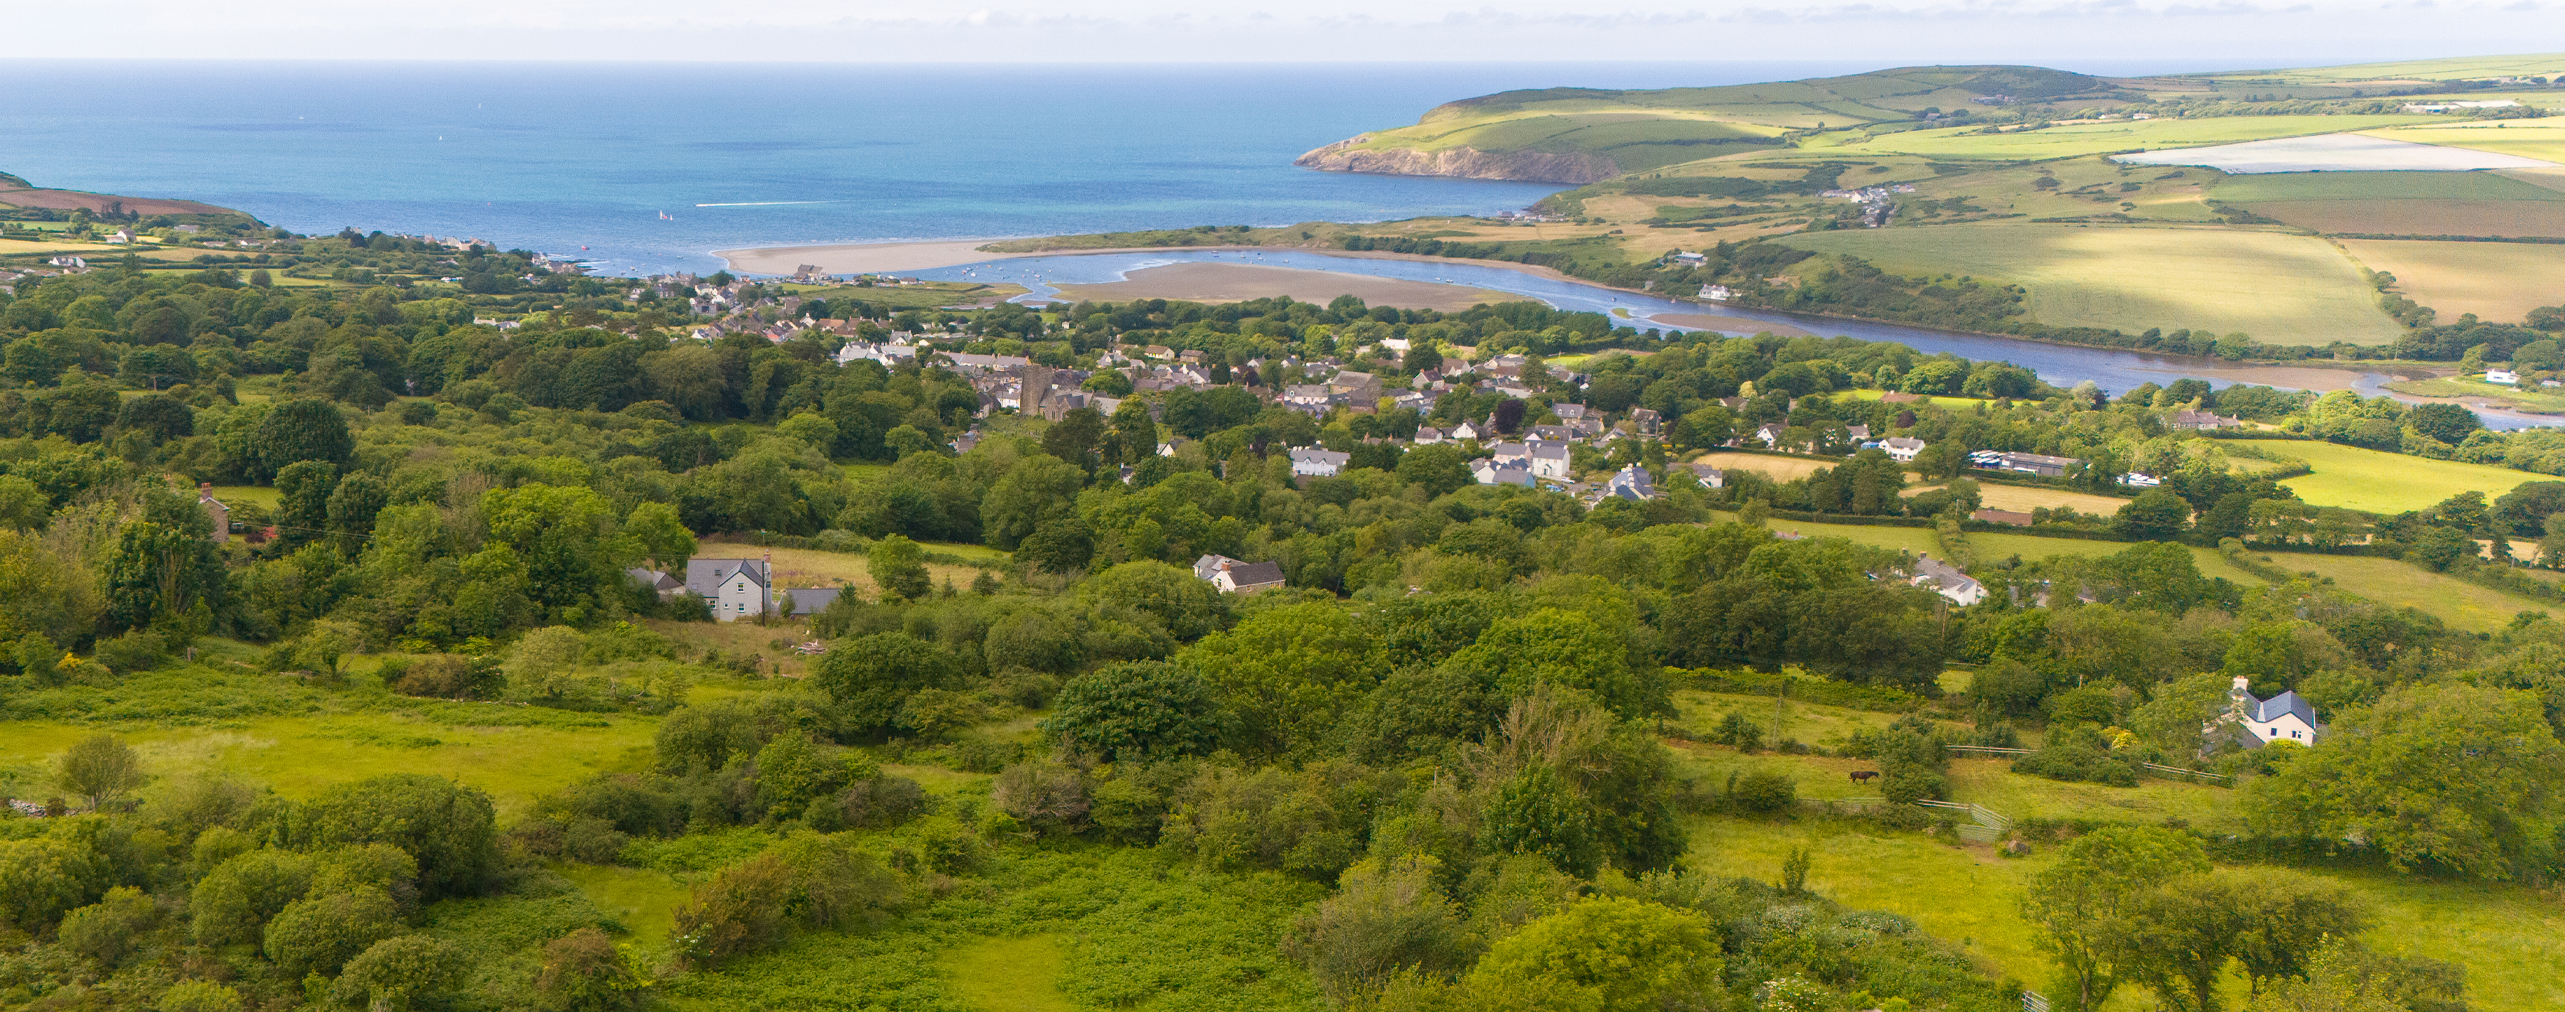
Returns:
<point x="566" y="158"/>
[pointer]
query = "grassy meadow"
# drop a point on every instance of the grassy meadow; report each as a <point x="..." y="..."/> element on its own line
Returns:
<point x="2535" y="138"/>
<point x="2500" y="282"/>
<point x="2398" y="583"/>
<point x="2281" y="289"/>
<point x="2380" y="482"/>
<point x="2067" y="141"/>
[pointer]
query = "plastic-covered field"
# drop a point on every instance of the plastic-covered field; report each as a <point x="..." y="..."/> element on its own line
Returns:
<point x="2333" y="153"/>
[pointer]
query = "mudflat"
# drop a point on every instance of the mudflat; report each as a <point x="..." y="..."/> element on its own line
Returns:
<point x="1729" y="324"/>
<point x="1214" y="282"/>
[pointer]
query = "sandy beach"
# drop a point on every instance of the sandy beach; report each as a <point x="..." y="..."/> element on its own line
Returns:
<point x="1218" y="282"/>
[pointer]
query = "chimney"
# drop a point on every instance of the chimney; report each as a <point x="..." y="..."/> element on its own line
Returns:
<point x="204" y="491"/>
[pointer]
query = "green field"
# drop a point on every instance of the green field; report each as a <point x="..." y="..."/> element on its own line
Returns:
<point x="2266" y="186"/>
<point x="2114" y="136"/>
<point x="2402" y="584"/>
<point x="2540" y="139"/>
<point x="1995" y="546"/>
<point x="2381" y="482"/>
<point x="2510" y="939"/>
<point x="2281" y="289"/>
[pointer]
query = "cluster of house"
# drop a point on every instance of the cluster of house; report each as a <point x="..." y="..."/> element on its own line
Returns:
<point x="738" y="588"/>
<point x="1876" y="201"/>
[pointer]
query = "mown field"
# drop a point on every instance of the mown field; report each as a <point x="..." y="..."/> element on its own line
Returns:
<point x="2023" y="499"/>
<point x="2500" y="282"/>
<point x="1775" y="468"/>
<point x="2401" y="203"/>
<point x="2281" y="289"/>
<point x="2381" y="482"/>
<point x="2117" y="135"/>
<point x="2536" y="138"/>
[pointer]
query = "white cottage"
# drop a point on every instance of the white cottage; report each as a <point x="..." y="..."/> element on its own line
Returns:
<point x="2285" y="717"/>
<point x="737" y="588"/>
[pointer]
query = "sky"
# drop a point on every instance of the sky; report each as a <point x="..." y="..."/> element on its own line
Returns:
<point x="2230" y="34"/>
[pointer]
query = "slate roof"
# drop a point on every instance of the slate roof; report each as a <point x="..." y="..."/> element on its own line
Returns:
<point x="2271" y="709"/>
<point x="1256" y="575"/>
<point x="809" y="600"/>
<point x="705" y="576"/>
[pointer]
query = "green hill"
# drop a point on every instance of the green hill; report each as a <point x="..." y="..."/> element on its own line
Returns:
<point x="1584" y="135"/>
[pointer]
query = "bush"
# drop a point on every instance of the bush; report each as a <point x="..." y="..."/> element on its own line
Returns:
<point x="109" y="929"/>
<point x="449" y="828"/>
<point x="1906" y="784"/>
<point x="133" y="651"/>
<point x="321" y="933"/>
<point x="880" y="802"/>
<point x="1140" y="711"/>
<point x="741" y="911"/>
<point x="237" y="897"/>
<point x="1380" y="921"/>
<point x="396" y="971"/>
<point x="1762" y="792"/>
<point x="199" y="996"/>
<point x="451" y="676"/>
<point x="1045" y="797"/>
<point x="583" y="972"/>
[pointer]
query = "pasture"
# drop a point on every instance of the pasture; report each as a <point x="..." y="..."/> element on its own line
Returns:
<point x="2023" y="499"/>
<point x="1993" y="546"/>
<point x="2539" y="139"/>
<point x="2510" y="939"/>
<point x="2402" y="203"/>
<point x="1775" y="468"/>
<point x="2115" y="135"/>
<point x="2397" y="583"/>
<point x="2281" y="289"/>
<point x="2333" y="152"/>
<point x="2500" y="282"/>
<point x="2379" y="482"/>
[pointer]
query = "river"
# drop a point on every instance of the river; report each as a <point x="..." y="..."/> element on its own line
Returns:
<point x="2062" y="365"/>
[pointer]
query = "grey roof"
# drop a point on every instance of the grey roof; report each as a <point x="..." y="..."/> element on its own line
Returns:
<point x="810" y="600"/>
<point x="2270" y="709"/>
<point x="1548" y="451"/>
<point x="1631" y="482"/>
<point x="1509" y="474"/>
<point x="1256" y="574"/>
<point x="653" y="579"/>
<point x="1314" y="455"/>
<point x="705" y="576"/>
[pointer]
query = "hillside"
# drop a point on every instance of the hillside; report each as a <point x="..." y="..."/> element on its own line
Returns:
<point x="1584" y="135"/>
<point x="18" y="194"/>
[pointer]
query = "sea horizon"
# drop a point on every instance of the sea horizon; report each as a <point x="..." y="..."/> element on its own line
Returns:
<point x="585" y="158"/>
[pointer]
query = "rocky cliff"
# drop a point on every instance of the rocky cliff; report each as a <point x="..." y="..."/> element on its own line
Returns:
<point x="1463" y="162"/>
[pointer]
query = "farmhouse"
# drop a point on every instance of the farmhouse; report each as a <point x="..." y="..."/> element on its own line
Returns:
<point x="1902" y="448"/>
<point x="2258" y="722"/>
<point x="1945" y="579"/>
<point x="1235" y="577"/>
<point x="737" y="588"/>
<point x="1317" y="463"/>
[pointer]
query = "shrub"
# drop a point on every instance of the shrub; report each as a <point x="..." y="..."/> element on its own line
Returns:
<point x="319" y="934"/>
<point x="880" y="802"/>
<point x="199" y="996"/>
<point x="935" y="714"/>
<point x="583" y="972"/>
<point x="1605" y="953"/>
<point x="449" y="828"/>
<point x="238" y="896"/>
<point x="1043" y="796"/>
<point x="392" y="973"/>
<point x="452" y="676"/>
<point x="133" y="651"/>
<point x="740" y="911"/>
<point x="1380" y="921"/>
<point x="1907" y="784"/>
<point x="1763" y="792"/>
<point x="1142" y="710"/>
<point x="107" y="930"/>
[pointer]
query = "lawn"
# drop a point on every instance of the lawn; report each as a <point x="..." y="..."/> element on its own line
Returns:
<point x="259" y="494"/>
<point x="2500" y="282"/>
<point x="1907" y="539"/>
<point x="2281" y="289"/>
<point x="1812" y="723"/>
<point x="2393" y="582"/>
<point x="2380" y="482"/>
<point x="811" y="567"/>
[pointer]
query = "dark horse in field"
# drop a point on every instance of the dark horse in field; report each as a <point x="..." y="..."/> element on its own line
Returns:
<point x="1864" y="776"/>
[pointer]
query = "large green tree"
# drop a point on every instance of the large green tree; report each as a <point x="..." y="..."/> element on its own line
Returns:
<point x="2085" y="906"/>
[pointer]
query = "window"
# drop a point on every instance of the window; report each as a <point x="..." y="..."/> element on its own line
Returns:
<point x="2275" y="732"/>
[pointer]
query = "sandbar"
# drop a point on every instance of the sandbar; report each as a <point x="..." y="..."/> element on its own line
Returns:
<point x="1727" y="324"/>
<point x="1217" y="282"/>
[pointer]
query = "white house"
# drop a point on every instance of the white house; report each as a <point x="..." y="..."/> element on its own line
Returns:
<point x="2285" y="717"/>
<point x="1945" y="579"/>
<point x="2502" y="376"/>
<point x="1546" y="458"/>
<point x="1235" y="577"/>
<point x="1711" y="477"/>
<point x="1464" y="431"/>
<point x="1427" y="435"/>
<point x="1313" y="462"/>
<point x="737" y="588"/>
<point x="1902" y="448"/>
<point x="1770" y="433"/>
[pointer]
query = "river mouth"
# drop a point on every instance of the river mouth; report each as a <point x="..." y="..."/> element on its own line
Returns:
<point x="2115" y="371"/>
